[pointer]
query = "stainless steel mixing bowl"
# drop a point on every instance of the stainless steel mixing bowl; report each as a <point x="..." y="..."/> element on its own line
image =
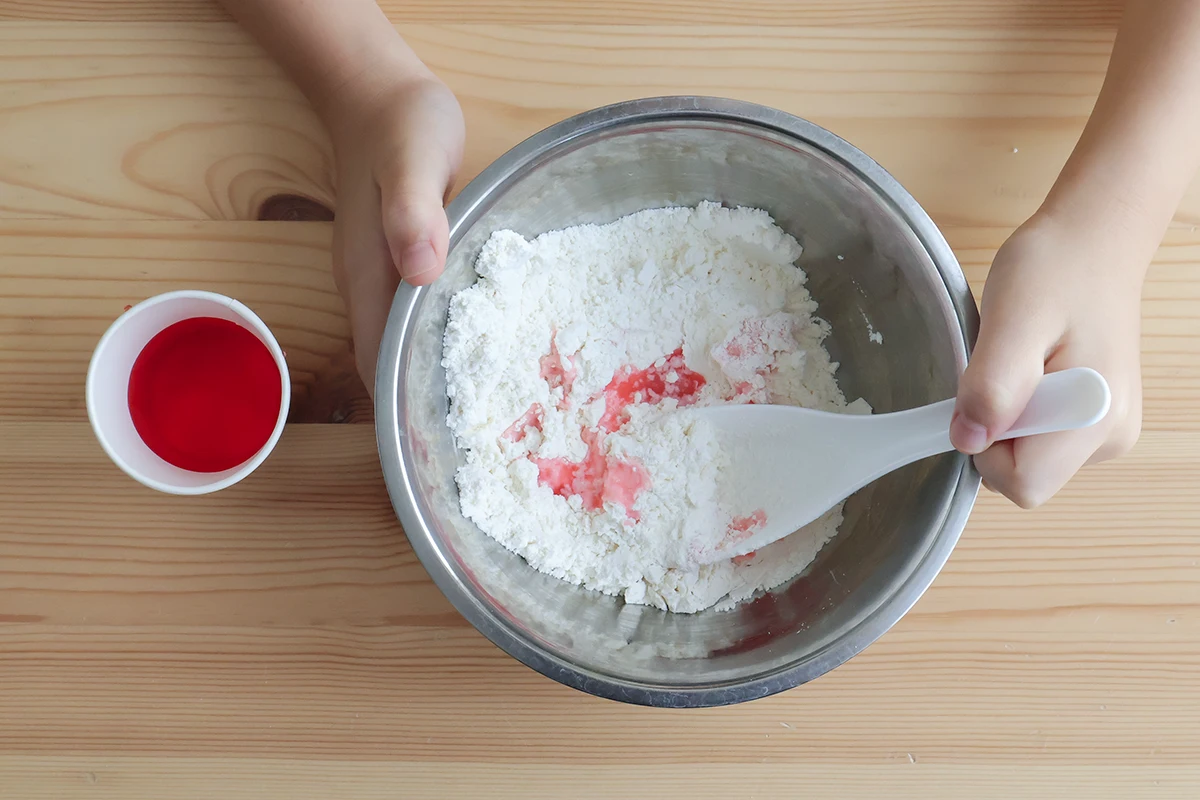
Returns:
<point x="870" y="252"/>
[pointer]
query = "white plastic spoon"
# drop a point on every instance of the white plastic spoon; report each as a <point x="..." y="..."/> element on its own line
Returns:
<point x="795" y="464"/>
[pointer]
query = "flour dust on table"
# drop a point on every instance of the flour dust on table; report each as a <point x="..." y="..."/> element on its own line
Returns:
<point x="571" y="365"/>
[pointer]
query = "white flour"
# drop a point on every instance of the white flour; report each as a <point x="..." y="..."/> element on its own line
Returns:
<point x="567" y="363"/>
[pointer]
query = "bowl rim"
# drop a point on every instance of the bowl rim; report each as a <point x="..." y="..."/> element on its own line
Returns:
<point x="395" y="455"/>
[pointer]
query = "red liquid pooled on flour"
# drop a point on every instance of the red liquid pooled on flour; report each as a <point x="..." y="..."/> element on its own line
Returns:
<point x="598" y="479"/>
<point x="672" y="379"/>
<point x="742" y="528"/>
<point x="204" y="394"/>
<point x="558" y="372"/>
<point x="534" y="418"/>
<point x="602" y="478"/>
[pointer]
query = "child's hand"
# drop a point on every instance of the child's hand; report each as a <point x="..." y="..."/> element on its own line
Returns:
<point x="1058" y="296"/>
<point x="398" y="140"/>
<point x="1065" y="290"/>
<point x="396" y="161"/>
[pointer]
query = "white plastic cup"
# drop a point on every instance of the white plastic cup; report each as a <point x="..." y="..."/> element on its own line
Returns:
<point x="108" y="389"/>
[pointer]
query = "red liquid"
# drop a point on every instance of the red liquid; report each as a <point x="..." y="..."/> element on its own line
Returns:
<point x="742" y="528"/>
<point x="650" y="385"/>
<point x="557" y="372"/>
<point x="204" y="394"/>
<point x="534" y="418"/>
<point x="598" y="479"/>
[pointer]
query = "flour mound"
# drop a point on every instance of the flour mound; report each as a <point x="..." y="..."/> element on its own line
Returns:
<point x="568" y="363"/>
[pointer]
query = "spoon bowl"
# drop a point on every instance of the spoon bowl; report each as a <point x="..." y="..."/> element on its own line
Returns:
<point x="789" y="465"/>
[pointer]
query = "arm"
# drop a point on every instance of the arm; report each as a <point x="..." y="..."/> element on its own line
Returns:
<point x="339" y="52"/>
<point x="1065" y="289"/>
<point x="397" y="133"/>
<point x="1141" y="146"/>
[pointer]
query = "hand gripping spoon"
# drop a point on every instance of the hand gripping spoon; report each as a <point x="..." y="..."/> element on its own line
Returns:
<point x="794" y="464"/>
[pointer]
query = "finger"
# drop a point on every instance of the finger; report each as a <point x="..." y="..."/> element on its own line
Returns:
<point x="371" y="296"/>
<point x="1031" y="470"/>
<point x="1003" y="371"/>
<point x="367" y="280"/>
<point x="413" y="188"/>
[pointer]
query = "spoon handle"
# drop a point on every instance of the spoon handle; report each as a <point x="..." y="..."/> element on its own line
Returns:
<point x="1064" y="401"/>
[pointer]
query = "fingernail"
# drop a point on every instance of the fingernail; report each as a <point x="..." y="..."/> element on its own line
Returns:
<point x="968" y="436"/>
<point x="418" y="260"/>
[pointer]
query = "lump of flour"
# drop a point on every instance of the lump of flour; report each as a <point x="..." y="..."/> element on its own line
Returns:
<point x="570" y="365"/>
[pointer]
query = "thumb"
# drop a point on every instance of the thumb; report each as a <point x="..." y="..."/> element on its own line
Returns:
<point x="414" y="221"/>
<point x="1008" y="361"/>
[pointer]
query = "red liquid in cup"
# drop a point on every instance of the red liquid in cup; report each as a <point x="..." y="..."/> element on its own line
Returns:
<point x="204" y="394"/>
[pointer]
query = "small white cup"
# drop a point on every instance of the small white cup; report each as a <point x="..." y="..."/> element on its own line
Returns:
<point x="108" y="389"/>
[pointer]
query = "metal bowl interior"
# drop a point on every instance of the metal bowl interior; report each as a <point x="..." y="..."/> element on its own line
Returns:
<point x="870" y="254"/>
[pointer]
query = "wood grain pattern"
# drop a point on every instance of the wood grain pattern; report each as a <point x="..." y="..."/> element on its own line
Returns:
<point x="183" y="122"/>
<point x="373" y="694"/>
<point x="311" y="540"/>
<point x="953" y="13"/>
<point x="64" y="284"/>
<point x="288" y="618"/>
<point x="281" y="640"/>
<point x="194" y="122"/>
<point x="119" y="778"/>
<point x="67" y="280"/>
<point x="315" y="536"/>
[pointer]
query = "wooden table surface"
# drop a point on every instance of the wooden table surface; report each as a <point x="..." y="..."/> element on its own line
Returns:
<point x="281" y="640"/>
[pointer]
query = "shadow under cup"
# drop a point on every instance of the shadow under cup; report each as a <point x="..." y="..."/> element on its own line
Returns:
<point x="865" y="262"/>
